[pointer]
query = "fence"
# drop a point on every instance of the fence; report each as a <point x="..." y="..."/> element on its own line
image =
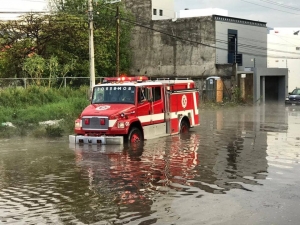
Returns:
<point x="78" y="81"/>
<point x="58" y="81"/>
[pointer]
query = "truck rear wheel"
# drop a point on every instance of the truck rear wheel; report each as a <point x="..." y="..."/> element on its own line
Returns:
<point x="184" y="127"/>
<point x="135" y="135"/>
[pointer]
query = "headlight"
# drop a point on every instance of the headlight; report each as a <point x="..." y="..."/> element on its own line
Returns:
<point x="77" y="123"/>
<point x="121" y="125"/>
<point x="287" y="98"/>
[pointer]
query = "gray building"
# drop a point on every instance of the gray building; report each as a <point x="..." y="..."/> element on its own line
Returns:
<point x="200" y="47"/>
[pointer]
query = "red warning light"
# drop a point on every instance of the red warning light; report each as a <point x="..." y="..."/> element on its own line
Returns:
<point x="116" y="79"/>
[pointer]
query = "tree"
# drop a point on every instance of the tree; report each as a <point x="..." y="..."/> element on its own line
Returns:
<point x="104" y="32"/>
<point x="64" y="35"/>
<point x="35" y="66"/>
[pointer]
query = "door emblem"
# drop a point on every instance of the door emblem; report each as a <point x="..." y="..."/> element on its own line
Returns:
<point x="103" y="107"/>
<point x="184" y="101"/>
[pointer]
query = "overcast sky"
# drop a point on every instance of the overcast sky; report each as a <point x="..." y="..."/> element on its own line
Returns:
<point x="13" y="6"/>
<point x="276" y="13"/>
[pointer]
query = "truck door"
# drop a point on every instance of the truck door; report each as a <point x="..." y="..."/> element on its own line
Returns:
<point x="143" y="106"/>
<point x="157" y="105"/>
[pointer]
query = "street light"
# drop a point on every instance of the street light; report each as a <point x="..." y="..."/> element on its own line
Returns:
<point x="253" y="60"/>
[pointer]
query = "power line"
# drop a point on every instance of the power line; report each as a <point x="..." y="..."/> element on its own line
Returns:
<point x="243" y="46"/>
<point x="195" y="42"/>
<point x="270" y="8"/>
<point x="281" y="5"/>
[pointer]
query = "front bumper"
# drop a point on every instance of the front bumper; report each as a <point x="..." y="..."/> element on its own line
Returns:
<point x="102" y="140"/>
<point x="288" y="102"/>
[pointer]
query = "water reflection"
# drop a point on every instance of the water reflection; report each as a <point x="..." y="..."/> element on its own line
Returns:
<point x="235" y="153"/>
<point x="242" y="148"/>
<point x="129" y="177"/>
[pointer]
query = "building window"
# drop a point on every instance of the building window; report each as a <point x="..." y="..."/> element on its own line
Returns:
<point x="297" y="48"/>
<point x="233" y="56"/>
<point x="160" y="12"/>
<point x="154" y="11"/>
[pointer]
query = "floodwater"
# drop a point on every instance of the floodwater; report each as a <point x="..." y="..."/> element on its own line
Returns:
<point x="241" y="166"/>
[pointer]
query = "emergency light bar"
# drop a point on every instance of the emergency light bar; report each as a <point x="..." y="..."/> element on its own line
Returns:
<point x="120" y="79"/>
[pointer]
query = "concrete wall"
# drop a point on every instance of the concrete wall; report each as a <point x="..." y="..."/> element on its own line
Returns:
<point x="281" y="88"/>
<point x="252" y="41"/>
<point x="184" y="47"/>
<point x="141" y="9"/>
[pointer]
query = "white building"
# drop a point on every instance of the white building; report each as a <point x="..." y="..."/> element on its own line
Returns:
<point x="202" y="12"/>
<point x="284" y="52"/>
<point x="163" y="9"/>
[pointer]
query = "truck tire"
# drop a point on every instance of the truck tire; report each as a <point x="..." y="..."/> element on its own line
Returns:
<point x="135" y="135"/>
<point x="184" y="127"/>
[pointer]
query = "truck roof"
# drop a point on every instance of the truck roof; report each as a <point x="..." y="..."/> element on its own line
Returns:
<point x="148" y="83"/>
<point x="128" y="83"/>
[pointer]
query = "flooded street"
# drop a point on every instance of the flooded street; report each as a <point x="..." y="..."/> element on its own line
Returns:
<point x="240" y="166"/>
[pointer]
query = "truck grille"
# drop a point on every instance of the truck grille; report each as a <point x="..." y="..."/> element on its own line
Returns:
<point x="94" y="123"/>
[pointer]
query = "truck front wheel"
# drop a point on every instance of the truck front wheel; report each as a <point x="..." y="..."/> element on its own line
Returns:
<point x="135" y="135"/>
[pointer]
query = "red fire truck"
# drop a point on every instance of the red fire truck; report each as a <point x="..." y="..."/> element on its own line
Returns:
<point x="133" y="109"/>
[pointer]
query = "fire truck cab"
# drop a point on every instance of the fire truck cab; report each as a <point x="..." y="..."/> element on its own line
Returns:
<point x="133" y="109"/>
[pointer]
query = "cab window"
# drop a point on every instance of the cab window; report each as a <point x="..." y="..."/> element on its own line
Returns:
<point x="156" y="91"/>
<point x="142" y="94"/>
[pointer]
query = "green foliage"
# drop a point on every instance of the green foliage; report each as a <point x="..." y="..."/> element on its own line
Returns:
<point x="35" y="66"/>
<point x="54" y="131"/>
<point x="26" y="108"/>
<point x="7" y="132"/>
<point x="62" y="40"/>
<point x="236" y="95"/>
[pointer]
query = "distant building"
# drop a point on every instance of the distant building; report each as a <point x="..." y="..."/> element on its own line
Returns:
<point x="163" y="9"/>
<point x="199" y="47"/>
<point x="202" y="12"/>
<point x="284" y="52"/>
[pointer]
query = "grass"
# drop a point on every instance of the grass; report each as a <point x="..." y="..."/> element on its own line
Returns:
<point x="26" y="108"/>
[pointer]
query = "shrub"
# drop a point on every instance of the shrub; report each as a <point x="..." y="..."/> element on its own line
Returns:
<point x="25" y="108"/>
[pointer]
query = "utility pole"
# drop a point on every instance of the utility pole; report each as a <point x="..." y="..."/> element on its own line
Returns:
<point x="91" y="44"/>
<point x="118" y="42"/>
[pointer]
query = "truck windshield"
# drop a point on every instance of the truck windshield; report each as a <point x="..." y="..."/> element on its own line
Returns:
<point x="113" y="94"/>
